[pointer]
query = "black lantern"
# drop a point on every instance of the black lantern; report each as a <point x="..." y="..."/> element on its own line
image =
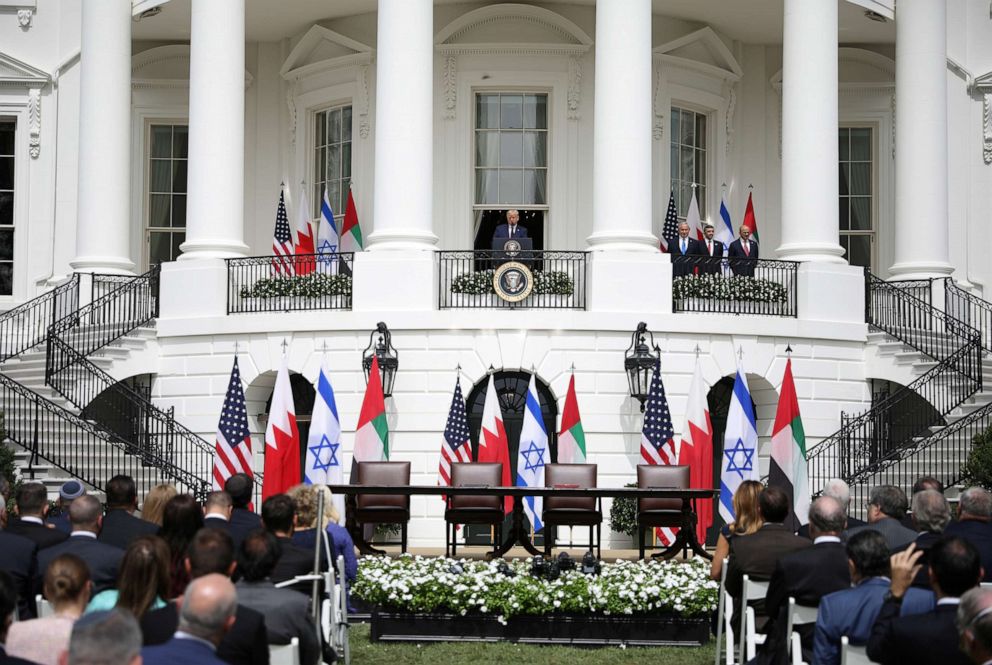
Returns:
<point x="389" y="360"/>
<point x="639" y="362"/>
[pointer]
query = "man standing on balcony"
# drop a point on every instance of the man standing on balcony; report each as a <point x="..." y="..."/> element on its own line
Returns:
<point x="712" y="249"/>
<point x="745" y="251"/>
<point x="682" y="248"/>
<point x="512" y="228"/>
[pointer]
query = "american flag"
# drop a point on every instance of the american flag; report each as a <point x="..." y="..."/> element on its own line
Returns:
<point x="671" y="228"/>
<point x="282" y="241"/>
<point x="232" y="450"/>
<point x="456" y="446"/>
<point x="658" y="436"/>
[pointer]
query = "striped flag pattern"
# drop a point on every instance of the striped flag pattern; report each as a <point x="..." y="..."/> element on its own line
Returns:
<point x="282" y="241"/>
<point x="750" y="220"/>
<point x="327" y="237"/>
<point x="351" y="231"/>
<point x="533" y="455"/>
<point x="372" y="433"/>
<point x="456" y="445"/>
<point x="232" y="448"/>
<point x="304" y="248"/>
<point x="658" y="437"/>
<point x="788" y="463"/>
<point x="282" y="439"/>
<point x="572" y="439"/>
<point x="740" y="446"/>
<point x="670" y="230"/>
<point x="323" y="457"/>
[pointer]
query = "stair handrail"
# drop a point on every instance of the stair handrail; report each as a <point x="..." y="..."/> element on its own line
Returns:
<point x="26" y="325"/>
<point x="969" y="308"/>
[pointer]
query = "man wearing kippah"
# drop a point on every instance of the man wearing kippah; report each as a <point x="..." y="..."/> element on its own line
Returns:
<point x="59" y="518"/>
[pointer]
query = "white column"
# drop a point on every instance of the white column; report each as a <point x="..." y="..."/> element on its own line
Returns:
<point x="810" y="207"/>
<point x="103" y="225"/>
<point x="404" y="127"/>
<point x="921" y="141"/>
<point x="215" y="199"/>
<point x="621" y="167"/>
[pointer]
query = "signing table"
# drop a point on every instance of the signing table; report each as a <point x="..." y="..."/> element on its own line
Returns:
<point x="686" y="538"/>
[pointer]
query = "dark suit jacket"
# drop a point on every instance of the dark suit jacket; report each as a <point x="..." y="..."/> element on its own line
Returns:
<point x="294" y="561"/>
<point x="245" y="644"/>
<point x="102" y="559"/>
<point x="710" y="264"/>
<point x="895" y="534"/>
<point x="852" y="522"/>
<point x="60" y="522"/>
<point x="242" y="523"/>
<point x="503" y="231"/>
<point x="683" y="263"/>
<point x="19" y="560"/>
<point x="921" y="638"/>
<point x="757" y="555"/>
<point x="852" y="612"/>
<point x="806" y="575"/>
<point x="217" y="523"/>
<point x="12" y="660"/>
<point x="287" y="615"/>
<point x="187" y="652"/>
<point x="924" y="542"/>
<point x="121" y="527"/>
<point x="744" y="265"/>
<point x="39" y="534"/>
<point x="978" y="534"/>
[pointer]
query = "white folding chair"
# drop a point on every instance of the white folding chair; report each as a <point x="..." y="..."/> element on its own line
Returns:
<point x="798" y="615"/>
<point x="45" y="608"/>
<point x="751" y="590"/>
<point x="850" y="655"/>
<point x="285" y="654"/>
<point x="986" y="585"/>
<point x="724" y="612"/>
<point x="340" y="632"/>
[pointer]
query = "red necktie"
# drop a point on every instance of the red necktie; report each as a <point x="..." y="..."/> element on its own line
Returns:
<point x="747" y="247"/>
<point x="709" y="246"/>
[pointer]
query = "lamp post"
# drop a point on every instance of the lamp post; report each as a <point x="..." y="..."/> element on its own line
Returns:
<point x="389" y="360"/>
<point x="639" y="362"/>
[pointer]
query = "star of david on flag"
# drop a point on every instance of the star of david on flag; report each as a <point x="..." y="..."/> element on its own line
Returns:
<point x="531" y="455"/>
<point x="323" y="461"/>
<point x="327" y="237"/>
<point x="740" y="446"/>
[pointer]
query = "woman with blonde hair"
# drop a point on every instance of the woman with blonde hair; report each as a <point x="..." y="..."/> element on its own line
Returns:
<point x="154" y="506"/>
<point x="67" y="587"/>
<point x="305" y="534"/>
<point x="747" y="521"/>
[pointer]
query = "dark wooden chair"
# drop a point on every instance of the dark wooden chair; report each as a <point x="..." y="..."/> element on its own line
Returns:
<point x="655" y="513"/>
<point x="384" y="508"/>
<point x="568" y="510"/>
<point x="482" y="509"/>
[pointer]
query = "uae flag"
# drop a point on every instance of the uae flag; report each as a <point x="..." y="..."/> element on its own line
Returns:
<point x="750" y="221"/>
<point x="572" y="440"/>
<point x="282" y="439"/>
<point x="372" y="434"/>
<point x="788" y="463"/>
<point x="493" y="444"/>
<point x="351" y="231"/>
<point x="697" y="449"/>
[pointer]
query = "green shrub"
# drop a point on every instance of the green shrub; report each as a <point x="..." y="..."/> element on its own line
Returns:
<point x="978" y="469"/>
<point x="8" y="467"/>
<point x="735" y="287"/>
<point x="623" y="514"/>
<point x="552" y="282"/>
<point x="314" y="285"/>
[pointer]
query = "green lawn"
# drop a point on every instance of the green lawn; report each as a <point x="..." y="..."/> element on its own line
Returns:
<point x="365" y="652"/>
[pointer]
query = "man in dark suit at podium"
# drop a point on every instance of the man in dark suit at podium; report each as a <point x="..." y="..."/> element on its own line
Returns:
<point x="512" y="228"/>
<point x="745" y="251"/>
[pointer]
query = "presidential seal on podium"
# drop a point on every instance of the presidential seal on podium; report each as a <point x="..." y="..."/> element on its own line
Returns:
<point x="513" y="281"/>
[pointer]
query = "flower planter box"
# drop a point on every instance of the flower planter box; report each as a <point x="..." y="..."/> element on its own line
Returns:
<point x="578" y="630"/>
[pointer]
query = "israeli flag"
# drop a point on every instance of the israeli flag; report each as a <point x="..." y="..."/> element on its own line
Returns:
<point x="327" y="238"/>
<point x="724" y="230"/>
<point x="740" y="446"/>
<point x="532" y="455"/>
<point x="323" y="461"/>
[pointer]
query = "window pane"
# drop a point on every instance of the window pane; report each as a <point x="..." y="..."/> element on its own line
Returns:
<point x="845" y="213"/>
<point x="346" y="123"/>
<point x="674" y="135"/>
<point x="687" y="169"/>
<point x="535" y="187"/>
<point x="158" y="212"/>
<point x="688" y="128"/>
<point x="700" y="130"/>
<point x="511" y="149"/>
<point x="536" y="111"/>
<point x="6" y="208"/>
<point x="179" y="175"/>
<point x="859" y="250"/>
<point x="685" y="198"/>
<point x="6" y="173"/>
<point x="320" y="164"/>
<point x="320" y="125"/>
<point x="535" y="149"/>
<point x="178" y="210"/>
<point x="699" y="175"/>
<point x="159" y="248"/>
<point x="843" y="144"/>
<point x="334" y="126"/>
<point x="180" y="141"/>
<point x="861" y="213"/>
<point x="859" y="178"/>
<point x="701" y="200"/>
<point x="6" y="279"/>
<point x="486" y="149"/>
<point x="861" y="144"/>
<point x="6" y="244"/>
<point x="675" y="161"/>
<point x="844" y="171"/>
<point x="334" y="194"/>
<point x="486" y="189"/>
<point x="7" y="138"/>
<point x="487" y="112"/>
<point x="346" y="160"/>
<point x="161" y="140"/>
<point x="177" y="239"/>
<point x="511" y="186"/>
<point x="511" y="111"/>
<point x="334" y="162"/>
<point x="161" y="176"/>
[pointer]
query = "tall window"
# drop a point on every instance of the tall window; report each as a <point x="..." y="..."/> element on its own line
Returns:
<point x="857" y="219"/>
<point x="511" y="149"/>
<point x="7" y="128"/>
<point x="167" y="192"/>
<point x="688" y="140"/>
<point x="332" y="158"/>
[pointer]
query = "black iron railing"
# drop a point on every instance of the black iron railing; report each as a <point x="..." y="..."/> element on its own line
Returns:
<point x="550" y="279"/>
<point x="102" y="284"/>
<point x="276" y="284"/>
<point x="734" y="286"/>
<point x="970" y="309"/>
<point x="866" y="443"/>
<point x="27" y="325"/>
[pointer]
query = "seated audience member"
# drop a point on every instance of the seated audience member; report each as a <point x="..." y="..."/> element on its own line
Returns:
<point x="974" y="621"/>
<point x="67" y="587"/>
<point x="143" y="580"/>
<point x="925" y="638"/>
<point x="105" y="638"/>
<point x="20" y="561"/>
<point x="69" y="492"/>
<point x="287" y="612"/>
<point x="278" y="514"/>
<point x="305" y="535"/>
<point x="120" y="527"/>
<point x="8" y="603"/>
<point x="243" y="521"/>
<point x="5" y="495"/>
<point x="756" y="555"/>
<point x="974" y="515"/>
<point x="155" y="500"/>
<point x="922" y="483"/>
<point x="747" y="521"/>
<point x="212" y="552"/>
<point x="206" y="616"/>
<point x="931" y="514"/>
<point x="807" y="576"/>
<point x="886" y="508"/>
<point x="217" y="511"/>
<point x="181" y="520"/>
<point x="86" y="515"/>
<point x="852" y="612"/>
<point x="32" y="506"/>
<point x="837" y="489"/>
